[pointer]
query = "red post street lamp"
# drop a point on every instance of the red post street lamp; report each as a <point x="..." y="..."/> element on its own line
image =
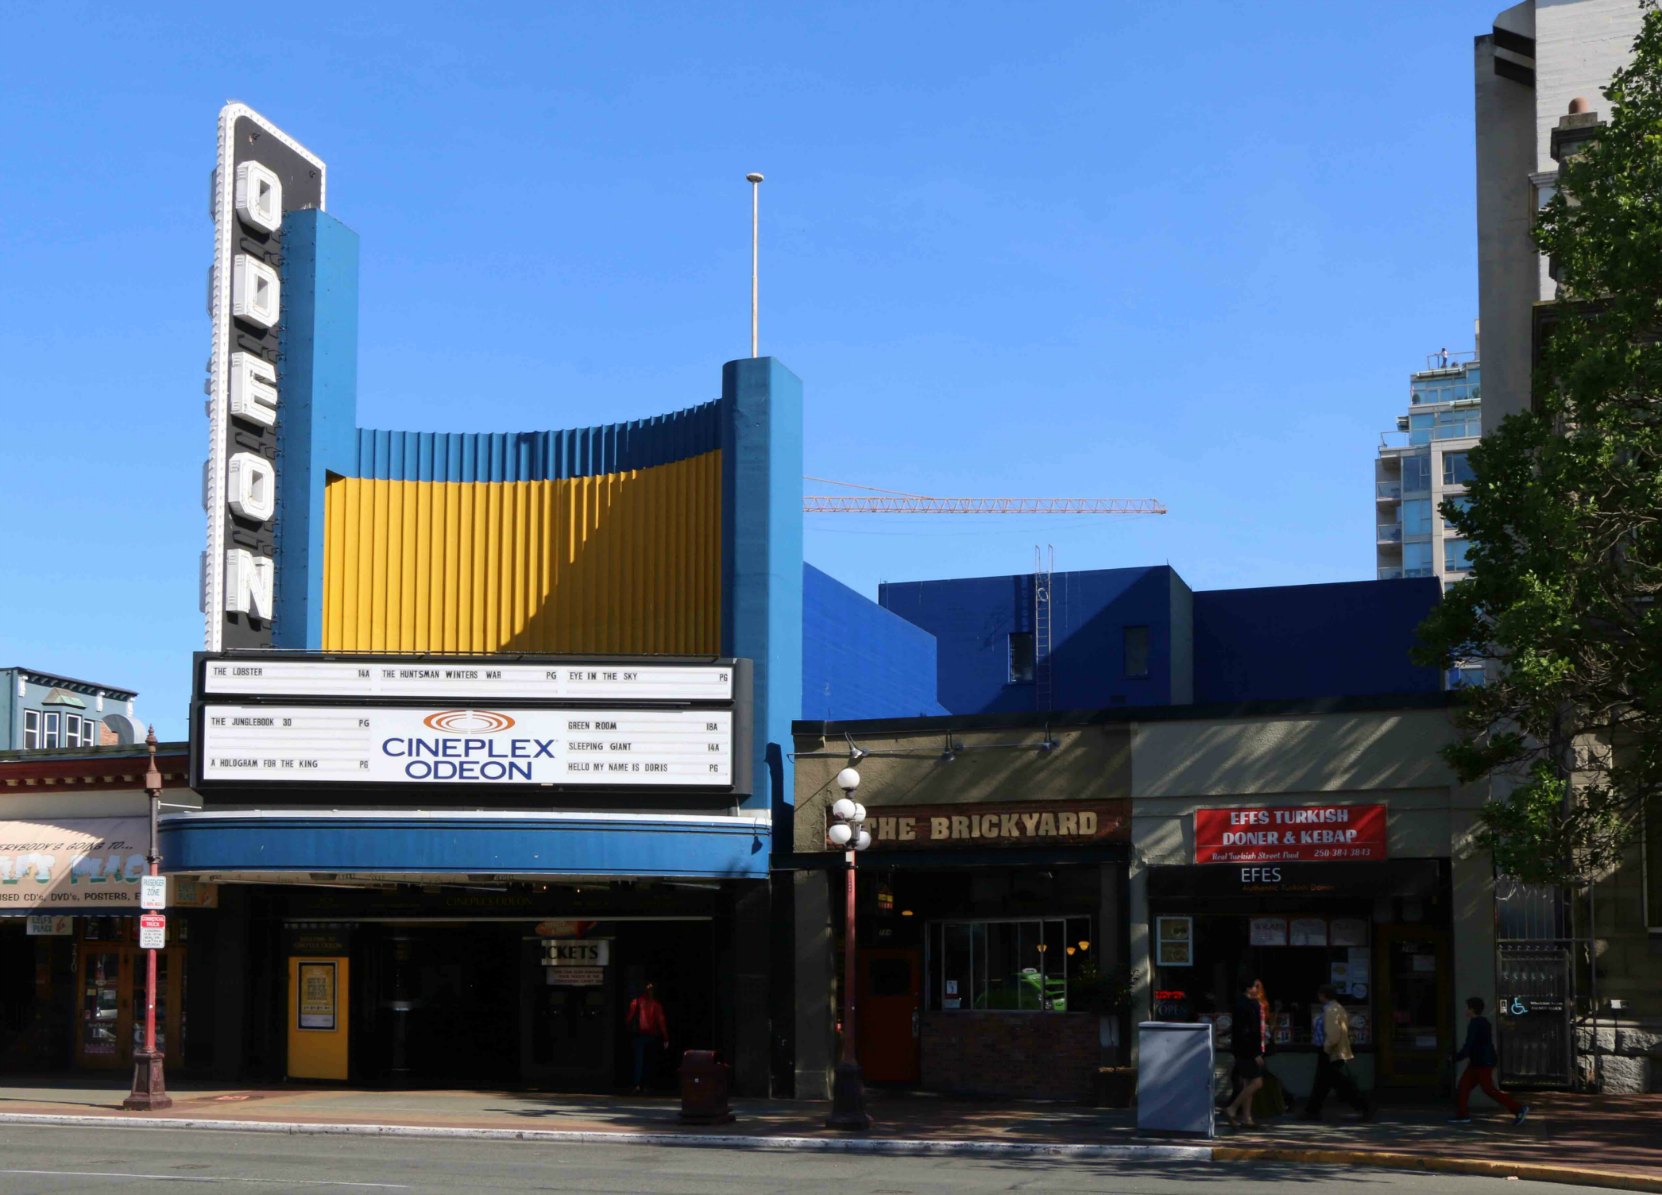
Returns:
<point x="847" y="830"/>
<point x="149" y="1092"/>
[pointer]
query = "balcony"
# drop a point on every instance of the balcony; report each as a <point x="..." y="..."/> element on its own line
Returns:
<point x="1388" y="491"/>
<point x="1390" y="574"/>
<point x="1388" y="533"/>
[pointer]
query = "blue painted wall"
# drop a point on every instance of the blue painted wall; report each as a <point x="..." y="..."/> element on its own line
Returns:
<point x="1290" y="642"/>
<point x="858" y="659"/>
<point x="972" y="620"/>
<point x="761" y="553"/>
<point x="1287" y="642"/>
<point x="317" y="426"/>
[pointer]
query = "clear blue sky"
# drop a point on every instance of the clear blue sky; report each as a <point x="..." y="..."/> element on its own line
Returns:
<point x="1179" y="250"/>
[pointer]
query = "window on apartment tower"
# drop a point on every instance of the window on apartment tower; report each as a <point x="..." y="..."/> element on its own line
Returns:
<point x="1136" y="652"/>
<point x="1021" y="657"/>
<point x="1457" y="469"/>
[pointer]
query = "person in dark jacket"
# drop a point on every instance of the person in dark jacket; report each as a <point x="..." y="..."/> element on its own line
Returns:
<point x="1246" y="1043"/>
<point x="1479" y="1053"/>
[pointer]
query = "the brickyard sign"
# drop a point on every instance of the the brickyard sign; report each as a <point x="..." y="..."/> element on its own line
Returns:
<point x="1027" y="823"/>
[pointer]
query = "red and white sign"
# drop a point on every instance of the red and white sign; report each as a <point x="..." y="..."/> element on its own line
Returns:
<point x="152" y="931"/>
<point x="1290" y="834"/>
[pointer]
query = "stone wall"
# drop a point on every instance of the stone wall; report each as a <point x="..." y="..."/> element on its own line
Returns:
<point x="1028" y="1055"/>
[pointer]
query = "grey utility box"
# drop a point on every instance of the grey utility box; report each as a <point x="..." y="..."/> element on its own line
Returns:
<point x="1174" y="1078"/>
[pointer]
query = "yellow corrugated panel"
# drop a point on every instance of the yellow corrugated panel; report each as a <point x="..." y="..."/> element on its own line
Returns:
<point x="622" y="563"/>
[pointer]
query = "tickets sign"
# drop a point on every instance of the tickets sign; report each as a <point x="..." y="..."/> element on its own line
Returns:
<point x="1290" y="834"/>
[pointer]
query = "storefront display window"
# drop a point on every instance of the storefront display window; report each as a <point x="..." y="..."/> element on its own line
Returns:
<point x="1009" y="965"/>
<point x="1291" y="954"/>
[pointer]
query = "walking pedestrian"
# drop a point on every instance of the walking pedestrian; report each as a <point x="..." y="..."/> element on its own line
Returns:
<point x="1272" y="1098"/>
<point x="649" y="1031"/>
<point x="1479" y="1053"/>
<point x="1332" y="1036"/>
<point x="1246" y="1043"/>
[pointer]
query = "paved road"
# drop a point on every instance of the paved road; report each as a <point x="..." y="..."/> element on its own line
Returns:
<point x="48" y="1160"/>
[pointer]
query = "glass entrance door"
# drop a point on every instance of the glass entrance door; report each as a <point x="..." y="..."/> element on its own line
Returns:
<point x="109" y="1022"/>
<point x="103" y="1013"/>
<point x="1415" y="1038"/>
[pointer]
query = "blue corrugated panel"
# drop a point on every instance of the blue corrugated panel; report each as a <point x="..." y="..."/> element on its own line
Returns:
<point x="539" y="456"/>
<point x="859" y="660"/>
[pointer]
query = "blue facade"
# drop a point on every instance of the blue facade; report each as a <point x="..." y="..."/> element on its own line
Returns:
<point x="1287" y="642"/>
<point x="858" y="659"/>
<point x="973" y="620"/>
<point x="1140" y="637"/>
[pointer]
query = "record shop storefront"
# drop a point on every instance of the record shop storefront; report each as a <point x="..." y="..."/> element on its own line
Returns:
<point x="74" y="832"/>
<point x="492" y="928"/>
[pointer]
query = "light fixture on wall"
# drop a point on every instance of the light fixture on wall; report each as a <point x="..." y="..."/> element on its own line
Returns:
<point x="1084" y="945"/>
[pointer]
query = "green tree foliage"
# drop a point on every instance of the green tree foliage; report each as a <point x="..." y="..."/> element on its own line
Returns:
<point x="1565" y="523"/>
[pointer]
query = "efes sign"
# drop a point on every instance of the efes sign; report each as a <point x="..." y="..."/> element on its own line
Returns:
<point x="261" y="175"/>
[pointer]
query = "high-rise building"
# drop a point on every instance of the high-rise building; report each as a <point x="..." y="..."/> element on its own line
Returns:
<point x="1540" y="75"/>
<point x="1421" y="464"/>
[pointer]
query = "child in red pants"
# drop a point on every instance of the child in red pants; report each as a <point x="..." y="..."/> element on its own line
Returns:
<point x="1479" y="1052"/>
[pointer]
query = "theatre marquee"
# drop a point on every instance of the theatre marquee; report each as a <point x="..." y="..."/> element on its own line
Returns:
<point x="279" y="721"/>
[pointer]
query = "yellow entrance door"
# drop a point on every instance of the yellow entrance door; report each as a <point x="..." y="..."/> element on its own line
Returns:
<point x="318" y="987"/>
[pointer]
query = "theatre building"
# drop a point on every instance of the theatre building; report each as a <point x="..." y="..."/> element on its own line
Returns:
<point x="489" y="728"/>
<point x="1038" y="884"/>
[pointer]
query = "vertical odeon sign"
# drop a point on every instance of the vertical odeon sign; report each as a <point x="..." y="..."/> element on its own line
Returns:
<point x="261" y="175"/>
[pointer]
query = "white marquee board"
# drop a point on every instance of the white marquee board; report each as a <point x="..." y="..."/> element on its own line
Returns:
<point x="263" y="744"/>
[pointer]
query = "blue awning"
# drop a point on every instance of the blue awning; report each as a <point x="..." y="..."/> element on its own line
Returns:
<point x="409" y="842"/>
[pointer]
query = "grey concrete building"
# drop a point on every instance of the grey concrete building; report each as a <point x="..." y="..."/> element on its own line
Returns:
<point x="1596" y="952"/>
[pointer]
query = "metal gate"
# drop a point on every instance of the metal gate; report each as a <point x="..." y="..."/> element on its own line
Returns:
<point x="1534" y="1020"/>
<point x="1536" y="985"/>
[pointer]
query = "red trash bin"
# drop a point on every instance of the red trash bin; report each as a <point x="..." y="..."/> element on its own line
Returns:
<point x="704" y="1084"/>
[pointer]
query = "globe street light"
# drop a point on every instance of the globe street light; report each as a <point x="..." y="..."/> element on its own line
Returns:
<point x="847" y="832"/>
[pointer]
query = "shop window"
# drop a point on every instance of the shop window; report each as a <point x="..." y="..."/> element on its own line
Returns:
<point x="1021" y="657"/>
<point x="1136" y="652"/>
<point x="1010" y="965"/>
<point x="1201" y="962"/>
<point x="31" y="729"/>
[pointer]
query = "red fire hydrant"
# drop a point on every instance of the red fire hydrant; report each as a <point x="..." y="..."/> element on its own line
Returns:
<point x="704" y="1083"/>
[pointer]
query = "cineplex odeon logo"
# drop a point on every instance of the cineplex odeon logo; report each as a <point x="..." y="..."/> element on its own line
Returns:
<point x="463" y="749"/>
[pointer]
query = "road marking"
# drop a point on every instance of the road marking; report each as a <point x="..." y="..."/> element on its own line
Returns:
<point x="203" y="1178"/>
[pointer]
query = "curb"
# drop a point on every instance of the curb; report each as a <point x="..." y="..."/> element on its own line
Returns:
<point x="1384" y="1159"/>
<point x="841" y="1145"/>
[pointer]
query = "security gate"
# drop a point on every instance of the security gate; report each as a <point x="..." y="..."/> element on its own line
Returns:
<point x="1535" y="985"/>
<point x="1534" y="1014"/>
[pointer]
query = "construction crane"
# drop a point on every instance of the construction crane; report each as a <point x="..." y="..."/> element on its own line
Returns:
<point x="897" y="502"/>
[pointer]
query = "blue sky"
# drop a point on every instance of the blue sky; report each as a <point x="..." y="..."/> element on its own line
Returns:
<point x="1183" y="250"/>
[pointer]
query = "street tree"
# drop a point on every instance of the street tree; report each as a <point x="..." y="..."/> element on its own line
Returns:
<point x="1564" y="518"/>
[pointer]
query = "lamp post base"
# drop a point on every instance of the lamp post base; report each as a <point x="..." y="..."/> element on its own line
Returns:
<point x="848" y="1099"/>
<point x="149" y="1092"/>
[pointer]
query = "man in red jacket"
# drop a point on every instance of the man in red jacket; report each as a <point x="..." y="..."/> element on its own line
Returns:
<point x="649" y="1029"/>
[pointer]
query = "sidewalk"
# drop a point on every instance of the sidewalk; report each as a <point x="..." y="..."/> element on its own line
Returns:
<point x="1606" y="1141"/>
